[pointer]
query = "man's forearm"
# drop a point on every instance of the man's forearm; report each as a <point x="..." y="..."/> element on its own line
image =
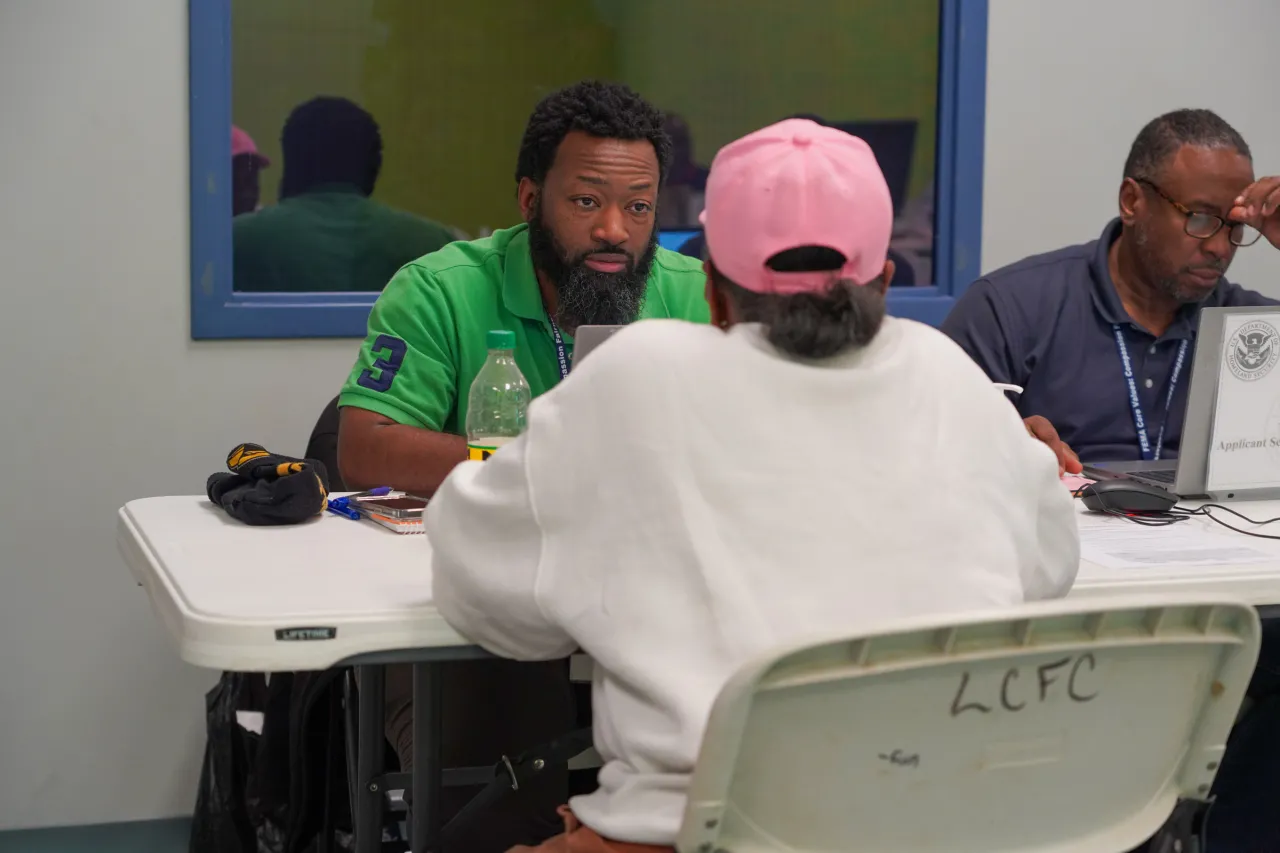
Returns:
<point x="403" y="457"/>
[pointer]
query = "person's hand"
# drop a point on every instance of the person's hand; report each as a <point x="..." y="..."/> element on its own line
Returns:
<point x="1041" y="430"/>
<point x="1259" y="206"/>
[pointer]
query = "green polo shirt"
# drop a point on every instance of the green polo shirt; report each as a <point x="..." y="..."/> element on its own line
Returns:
<point x="427" y="330"/>
<point x="329" y="239"/>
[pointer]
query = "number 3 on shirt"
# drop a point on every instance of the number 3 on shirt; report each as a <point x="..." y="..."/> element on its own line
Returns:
<point x="386" y="368"/>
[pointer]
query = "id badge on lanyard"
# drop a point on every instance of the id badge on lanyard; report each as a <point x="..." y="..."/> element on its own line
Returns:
<point x="1149" y="452"/>
<point x="562" y="356"/>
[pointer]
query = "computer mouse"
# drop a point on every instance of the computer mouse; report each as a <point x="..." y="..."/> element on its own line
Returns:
<point x="1123" y="495"/>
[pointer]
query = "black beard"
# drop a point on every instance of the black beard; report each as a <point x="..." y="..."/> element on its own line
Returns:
<point x="587" y="297"/>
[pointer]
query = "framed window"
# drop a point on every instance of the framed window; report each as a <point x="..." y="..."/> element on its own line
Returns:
<point x="447" y="88"/>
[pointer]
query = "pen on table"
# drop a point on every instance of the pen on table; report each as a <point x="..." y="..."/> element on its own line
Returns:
<point x="342" y="506"/>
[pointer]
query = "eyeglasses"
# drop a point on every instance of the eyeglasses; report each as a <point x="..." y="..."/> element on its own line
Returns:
<point x="1203" y="225"/>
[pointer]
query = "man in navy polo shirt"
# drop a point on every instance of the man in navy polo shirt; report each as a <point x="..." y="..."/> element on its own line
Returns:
<point x="1063" y="324"/>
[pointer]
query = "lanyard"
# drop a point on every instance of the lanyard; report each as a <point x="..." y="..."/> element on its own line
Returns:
<point x="561" y="357"/>
<point x="1149" y="453"/>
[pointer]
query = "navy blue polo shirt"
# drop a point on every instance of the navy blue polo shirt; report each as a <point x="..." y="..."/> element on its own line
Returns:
<point x="1046" y="323"/>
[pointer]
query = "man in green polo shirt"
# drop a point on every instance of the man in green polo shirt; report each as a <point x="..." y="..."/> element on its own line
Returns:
<point x="589" y="168"/>
<point x="588" y="172"/>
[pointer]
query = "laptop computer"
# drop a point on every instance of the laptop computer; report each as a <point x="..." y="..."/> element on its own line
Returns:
<point x="588" y="338"/>
<point x="1187" y="475"/>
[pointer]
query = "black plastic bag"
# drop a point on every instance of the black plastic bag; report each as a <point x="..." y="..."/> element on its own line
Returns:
<point x="221" y="823"/>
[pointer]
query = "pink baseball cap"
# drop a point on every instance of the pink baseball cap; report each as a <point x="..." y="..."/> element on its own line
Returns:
<point x="242" y="143"/>
<point x="796" y="183"/>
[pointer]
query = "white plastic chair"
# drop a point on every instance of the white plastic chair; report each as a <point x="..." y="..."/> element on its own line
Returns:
<point x="1060" y="726"/>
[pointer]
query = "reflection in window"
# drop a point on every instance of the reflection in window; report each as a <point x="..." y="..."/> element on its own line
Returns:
<point x="247" y="164"/>
<point x="385" y="128"/>
<point x="325" y="232"/>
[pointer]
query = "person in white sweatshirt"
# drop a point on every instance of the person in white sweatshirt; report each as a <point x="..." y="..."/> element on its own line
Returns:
<point x="692" y="496"/>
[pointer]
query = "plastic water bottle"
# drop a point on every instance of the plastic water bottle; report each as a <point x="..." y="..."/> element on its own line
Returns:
<point x="499" y="400"/>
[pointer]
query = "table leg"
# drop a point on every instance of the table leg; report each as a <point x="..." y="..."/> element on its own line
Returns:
<point x="370" y="755"/>
<point x="349" y="729"/>
<point x="424" y="808"/>
<point x="335" y="722"/>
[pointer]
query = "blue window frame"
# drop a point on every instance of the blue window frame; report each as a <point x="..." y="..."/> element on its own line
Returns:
<point x="217" y="311"/>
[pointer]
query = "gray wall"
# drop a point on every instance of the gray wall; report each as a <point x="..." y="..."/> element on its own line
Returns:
<point x="1070" y="84"/>
<point x="105" y="393"/>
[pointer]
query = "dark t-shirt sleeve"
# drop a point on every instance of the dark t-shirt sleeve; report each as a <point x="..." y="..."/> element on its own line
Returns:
<point x="980" y="324"/>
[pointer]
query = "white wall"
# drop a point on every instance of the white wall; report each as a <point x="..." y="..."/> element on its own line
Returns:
<point x="105" y="398"/>
<point x="1071" y="82"/>
<point x="104" y="393"/>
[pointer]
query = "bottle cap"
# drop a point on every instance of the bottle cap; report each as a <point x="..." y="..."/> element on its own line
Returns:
<point x="501" y="339"/>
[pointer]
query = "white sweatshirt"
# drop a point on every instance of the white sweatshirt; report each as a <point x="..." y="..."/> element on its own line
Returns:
<point x="688" y="499"/>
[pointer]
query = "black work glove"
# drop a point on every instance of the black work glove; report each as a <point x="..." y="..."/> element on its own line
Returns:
<point x="266" y="488"/>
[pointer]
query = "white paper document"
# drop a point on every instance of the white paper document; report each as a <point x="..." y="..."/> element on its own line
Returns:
<point x="1115" y="543"/>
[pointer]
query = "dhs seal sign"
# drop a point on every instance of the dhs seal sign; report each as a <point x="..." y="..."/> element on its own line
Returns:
<point x="1253" y="351"/>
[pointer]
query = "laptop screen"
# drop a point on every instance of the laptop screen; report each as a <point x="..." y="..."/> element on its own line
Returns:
<point x="588" y="338"/>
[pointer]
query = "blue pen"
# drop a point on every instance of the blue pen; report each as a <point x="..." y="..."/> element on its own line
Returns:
<point x="342" y="506"/>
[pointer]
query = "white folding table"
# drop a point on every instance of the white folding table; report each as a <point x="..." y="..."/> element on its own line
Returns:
<point x="311" y="596"/>
<point x="1257" y="583"/>
<point x="226" y="590"/>
<point x="333" y="592"/>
